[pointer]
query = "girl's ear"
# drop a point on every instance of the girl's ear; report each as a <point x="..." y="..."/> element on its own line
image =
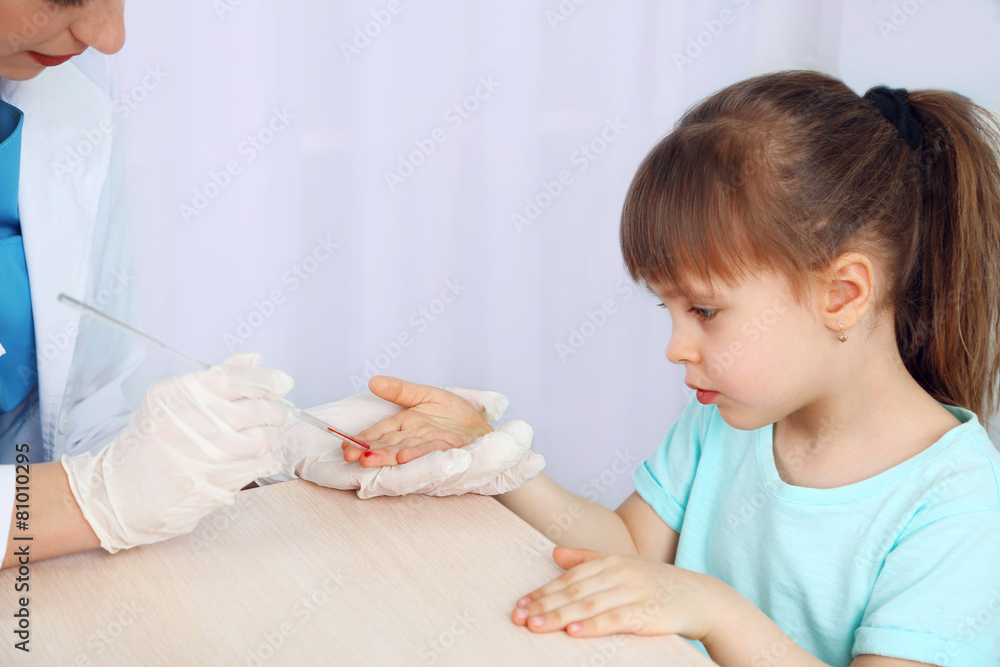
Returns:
<point x="847" y="290"/>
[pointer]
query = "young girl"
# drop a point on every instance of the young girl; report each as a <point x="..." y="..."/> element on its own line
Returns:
<point x="830" y="497"/>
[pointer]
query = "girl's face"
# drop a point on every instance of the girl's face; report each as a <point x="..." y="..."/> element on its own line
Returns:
<point x="751" y="350"/>
<point x="35" y="34"/>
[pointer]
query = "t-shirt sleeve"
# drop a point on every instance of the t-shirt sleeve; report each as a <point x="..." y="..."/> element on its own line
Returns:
<point x="664" y="480"/>
<point x="937" y="597"/>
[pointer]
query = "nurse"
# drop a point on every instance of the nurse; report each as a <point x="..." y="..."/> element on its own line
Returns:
<point x="197" y="439"/>
<point x="60" y="230"/>
<point x="85" y="471"/>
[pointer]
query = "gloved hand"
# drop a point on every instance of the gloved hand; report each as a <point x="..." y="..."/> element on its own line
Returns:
<point x="194" y="442"/>
<point x="495" y="463"/>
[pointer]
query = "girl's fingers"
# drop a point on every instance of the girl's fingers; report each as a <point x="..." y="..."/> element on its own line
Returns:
<point x="409" y="453"/>
<point x="401" y="392"/>
<point x="351" y="453"/>
<point x="405" y="430"/>
<point x="619" y="620"/>
<point x="392" y="439"/>
<point x="414" y="440"/>
<point x="380" y="429"/>
<point x="578" y="610"/>
<point x="386" y="445"/>
<point x="583" y="571"/>
<point x="398" y="454"/>
<point x="572" y="594"/>
<point x="567" y="558"/>
<point x="376" y="457"/>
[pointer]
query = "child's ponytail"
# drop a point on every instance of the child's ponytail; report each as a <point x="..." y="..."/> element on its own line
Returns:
<point x="948" y="318"/>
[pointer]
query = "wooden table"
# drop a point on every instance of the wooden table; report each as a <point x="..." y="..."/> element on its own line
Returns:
<point x="295" y="574"/>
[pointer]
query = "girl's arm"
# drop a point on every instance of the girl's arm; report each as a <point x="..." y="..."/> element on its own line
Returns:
<point x="570" y="520"/>
<point x="55" y="522"/>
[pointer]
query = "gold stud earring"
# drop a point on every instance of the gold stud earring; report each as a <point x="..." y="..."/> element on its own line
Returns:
<point x="842" y="336"/>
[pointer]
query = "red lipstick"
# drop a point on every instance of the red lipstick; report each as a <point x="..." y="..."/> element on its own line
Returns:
<point x="50" y="61"/>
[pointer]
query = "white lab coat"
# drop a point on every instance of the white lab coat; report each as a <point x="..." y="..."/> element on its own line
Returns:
<point x="74" y="242"/>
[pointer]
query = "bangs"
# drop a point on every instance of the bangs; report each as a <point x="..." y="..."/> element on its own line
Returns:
<point x="704" y="208"/>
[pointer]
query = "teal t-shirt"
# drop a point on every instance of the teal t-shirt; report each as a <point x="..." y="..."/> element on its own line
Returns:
<point x="905" y="564"/>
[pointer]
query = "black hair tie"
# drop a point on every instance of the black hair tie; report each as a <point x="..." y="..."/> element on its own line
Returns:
<point x="894" y="103"/>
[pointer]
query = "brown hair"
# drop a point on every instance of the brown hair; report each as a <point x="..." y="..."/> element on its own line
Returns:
<point x="784" y="172"/>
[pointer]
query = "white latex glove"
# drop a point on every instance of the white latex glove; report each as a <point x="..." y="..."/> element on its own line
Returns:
<point x="194" y="442"/>
<point x="495" y="463"/>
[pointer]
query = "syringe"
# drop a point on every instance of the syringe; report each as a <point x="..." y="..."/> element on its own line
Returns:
<point x="132" y="331"/>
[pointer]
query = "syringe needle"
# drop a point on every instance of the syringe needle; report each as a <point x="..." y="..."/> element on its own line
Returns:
<point x="132" y="331"/>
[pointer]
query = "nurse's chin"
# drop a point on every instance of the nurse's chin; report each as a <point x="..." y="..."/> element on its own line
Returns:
<point x="19" y="72"/>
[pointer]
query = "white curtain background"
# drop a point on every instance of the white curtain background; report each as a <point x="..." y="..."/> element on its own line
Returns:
<point x="299" y="248"/>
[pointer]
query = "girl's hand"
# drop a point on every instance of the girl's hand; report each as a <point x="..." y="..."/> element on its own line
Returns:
<point x="602" y="595"/>
<point x="436" y="419"/>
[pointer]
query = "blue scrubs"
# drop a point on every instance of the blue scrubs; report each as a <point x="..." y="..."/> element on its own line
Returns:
<point x="18" y="370"/>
